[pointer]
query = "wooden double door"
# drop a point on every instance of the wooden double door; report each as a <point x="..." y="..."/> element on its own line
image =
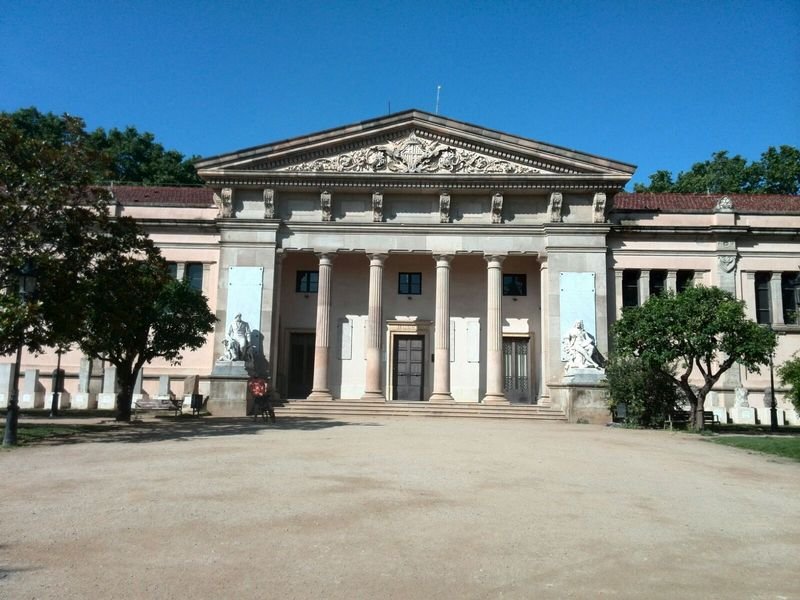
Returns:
<point x="408" y="378"/>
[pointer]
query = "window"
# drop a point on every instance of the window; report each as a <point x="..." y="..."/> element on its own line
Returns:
<point x="630" y="288"/>
<point x="790" y="290"/>
<point x="307" y="282"/>
<point x="409" y="284"/>
<point x="172" y="269"/>
<point x="515" y="284"/>
<point x="194" y="276"/>
<point x="658" y="282"/>
<point x="685" y="279"/>
<point x="763" y="313"/>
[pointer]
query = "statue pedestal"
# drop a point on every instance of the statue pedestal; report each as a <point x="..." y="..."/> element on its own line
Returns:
<point x="744" y="415"/>
<point x="582" y="396"/>
<point x="228" y="393"/>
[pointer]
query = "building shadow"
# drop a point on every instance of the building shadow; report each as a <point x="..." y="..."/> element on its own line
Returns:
<point x="186" y="429"/>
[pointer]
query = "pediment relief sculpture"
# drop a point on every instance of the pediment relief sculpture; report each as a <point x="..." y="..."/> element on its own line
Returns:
<point x="413" y="154"/>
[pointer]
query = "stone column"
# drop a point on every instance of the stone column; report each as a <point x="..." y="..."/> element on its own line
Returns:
<point x="776" y="299"/>
<point x="618" y="293"/>
<point x="672" y="281"/>
<point x="644" y="286"/>
<point x="441" y="352"/>
<point x="319" y="389"/>
<point x="544" y="347"/>
<point x="372" y="386"/>
<point x="494" y="331"/>
<point x="276" y="326"/>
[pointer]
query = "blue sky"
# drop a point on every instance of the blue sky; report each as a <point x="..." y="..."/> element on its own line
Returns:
<point x="658" y="84"/>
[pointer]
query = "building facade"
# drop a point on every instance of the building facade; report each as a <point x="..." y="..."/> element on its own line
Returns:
<point x="417" y="258"/>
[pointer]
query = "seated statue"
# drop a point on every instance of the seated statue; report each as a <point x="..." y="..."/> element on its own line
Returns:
<point x="237" y="341"/>
<point x="580" y="348"/>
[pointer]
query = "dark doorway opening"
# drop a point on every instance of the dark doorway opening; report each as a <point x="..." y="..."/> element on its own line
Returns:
<point x="301" y="364"/>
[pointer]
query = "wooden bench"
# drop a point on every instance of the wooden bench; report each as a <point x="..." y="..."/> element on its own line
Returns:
<point x="158" y="403"/>
<point x="684" y="417"/>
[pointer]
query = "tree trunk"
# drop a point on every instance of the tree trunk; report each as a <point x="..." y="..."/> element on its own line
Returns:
<point x="124" y="396"/>
<point x="697" y="424"/>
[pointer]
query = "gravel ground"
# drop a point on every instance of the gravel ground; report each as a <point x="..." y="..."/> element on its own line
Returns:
<point x="396" y="508"/>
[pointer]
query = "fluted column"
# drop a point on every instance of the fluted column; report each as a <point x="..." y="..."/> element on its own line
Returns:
<point x="494" y="331"/>
<point x="319" y="390"/>
<point x="372" y="387"/>
<point x="441" y="351"/>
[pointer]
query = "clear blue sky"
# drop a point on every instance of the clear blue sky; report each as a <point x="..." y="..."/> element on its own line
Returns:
<point x="658" y="84"/>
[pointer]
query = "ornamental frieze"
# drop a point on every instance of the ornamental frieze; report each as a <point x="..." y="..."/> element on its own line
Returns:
<point x="413" y="155"/>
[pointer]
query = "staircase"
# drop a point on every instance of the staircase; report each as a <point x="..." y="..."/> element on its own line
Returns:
<point x="347" y="408"/>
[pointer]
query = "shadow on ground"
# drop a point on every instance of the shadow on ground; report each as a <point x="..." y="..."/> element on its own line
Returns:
<point x="184" y="429"/>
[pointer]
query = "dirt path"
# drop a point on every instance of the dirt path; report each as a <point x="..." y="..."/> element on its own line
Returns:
<point x="396" y="508"/>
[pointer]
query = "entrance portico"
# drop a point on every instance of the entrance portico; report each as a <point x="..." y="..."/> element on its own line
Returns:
<point x="425" y="255"/>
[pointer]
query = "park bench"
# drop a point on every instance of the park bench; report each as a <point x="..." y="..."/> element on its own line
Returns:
<point x="158" y="403"/>
<point x="683" y="418"/>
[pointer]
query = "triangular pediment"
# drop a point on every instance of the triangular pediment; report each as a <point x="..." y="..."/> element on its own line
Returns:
<point x="415" y="143"/>
<point x="412" y="152"/>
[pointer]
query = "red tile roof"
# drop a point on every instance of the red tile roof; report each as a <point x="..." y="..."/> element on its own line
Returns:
<point x="703" y="203"/>
<point x="188" y="197"/>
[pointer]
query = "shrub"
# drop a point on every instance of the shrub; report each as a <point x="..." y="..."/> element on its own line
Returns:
<point x="789" y="372"/>
<point x="647" y="394"/>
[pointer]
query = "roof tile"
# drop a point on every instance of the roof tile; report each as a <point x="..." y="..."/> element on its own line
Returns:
<point x="705" y="203"/>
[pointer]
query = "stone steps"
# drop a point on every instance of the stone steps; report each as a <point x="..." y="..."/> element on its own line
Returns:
<point x="341" y="408"/>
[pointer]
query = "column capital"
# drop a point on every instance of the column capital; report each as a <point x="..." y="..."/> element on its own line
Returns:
<point x="494" y="258"/>
<point x="377" y="258"/>
<point x="325" y="257"/>
<point x="443" y="258"/>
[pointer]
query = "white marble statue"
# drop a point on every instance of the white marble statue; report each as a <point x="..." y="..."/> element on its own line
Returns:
<point x="580" y="348"/>
<point x="237" y="342"/>
<point x="741" y="400"/>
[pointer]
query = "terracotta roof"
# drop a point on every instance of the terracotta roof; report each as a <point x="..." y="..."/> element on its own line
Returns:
<point x="189" y="197"/>
<point x="703" y="203"/>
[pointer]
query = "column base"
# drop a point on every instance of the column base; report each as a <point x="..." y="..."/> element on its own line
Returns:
<point x="373" y="397"/>
<point x="320" y="395"/>
<point x="495" y="399"/>
<point x="441" y="398"/>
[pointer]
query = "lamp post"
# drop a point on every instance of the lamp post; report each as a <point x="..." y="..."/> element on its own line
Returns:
<point x="57" y="384"/>
<point x="773" y="405"/>
<point x="27" y="286"/>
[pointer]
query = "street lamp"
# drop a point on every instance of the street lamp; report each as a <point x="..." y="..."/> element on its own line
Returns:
<point x="773" y="405"/>
<point x="57" y="384"/>
<point x="27" y="287"/>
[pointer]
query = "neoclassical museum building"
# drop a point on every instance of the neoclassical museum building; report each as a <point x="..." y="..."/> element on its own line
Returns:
<point x="415" y="258"/>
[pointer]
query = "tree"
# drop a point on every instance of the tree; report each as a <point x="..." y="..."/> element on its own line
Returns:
<point x="702" y="330"/>
<point x="102" y="281"/>
<point x="51" y="216"/>
<point x="777" y="172"/>
<point x="135" y="312"/>
<point x="789" y="372"/>
<point x="137" y="158"/>
<point x="128" y="155"/>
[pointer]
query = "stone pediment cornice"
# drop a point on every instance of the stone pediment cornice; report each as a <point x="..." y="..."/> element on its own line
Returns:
<point x="412" y="145"/>
<point x="389" y="181"/>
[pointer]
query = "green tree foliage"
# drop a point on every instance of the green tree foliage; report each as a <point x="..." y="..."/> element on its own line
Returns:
<point x="777" y="172"/>
<point x="648" y="395"/>
<point x="701" y="331"/>
<point x="102" y="282"/>
<point x="51" y="215"/>
<point x="137" y="158"/>
<point x="135" y="312"/>
<point x="789" y="372"/>
<point x="129" y="156"/>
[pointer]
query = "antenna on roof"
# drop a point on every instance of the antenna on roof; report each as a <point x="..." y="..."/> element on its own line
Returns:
<point x="438" y="89"/>
<point x="390" y="107"/>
